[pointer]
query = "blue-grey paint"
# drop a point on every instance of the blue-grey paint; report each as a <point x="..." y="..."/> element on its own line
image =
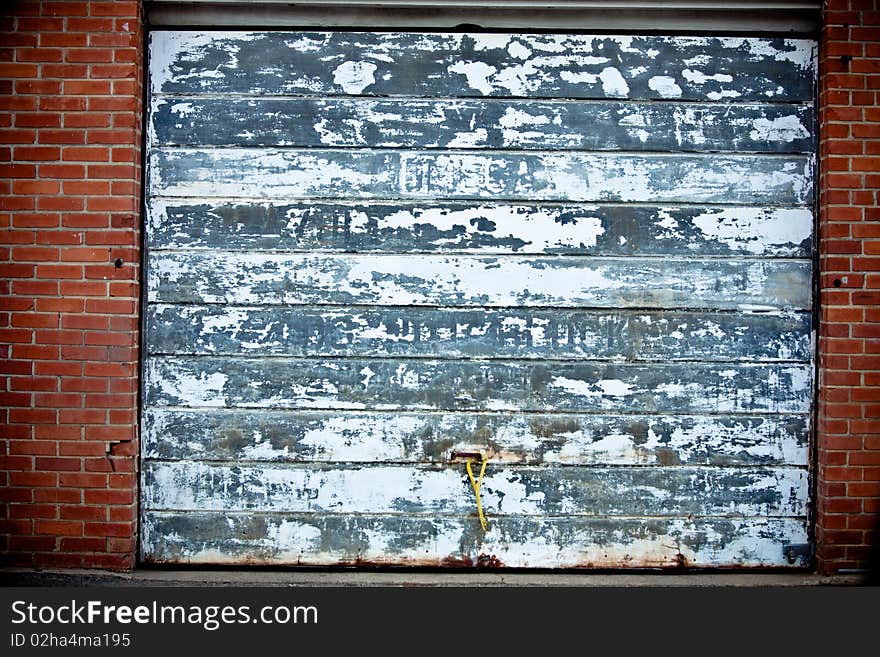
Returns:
<point x="585" y="257"/>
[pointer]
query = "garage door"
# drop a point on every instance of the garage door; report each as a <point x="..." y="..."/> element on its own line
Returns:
<point x="586" y="259"/>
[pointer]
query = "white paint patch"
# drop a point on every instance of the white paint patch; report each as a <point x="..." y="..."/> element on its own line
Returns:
<point x="635" y="125"/>
<point x="601" y="388"/>
<point x="183" y="109"/>
<point x="489" y="41"/>
<point x="698" y="77"/>
<point x="757" y="231"/>
<point x="186" y="387"/>
<point x="272" y="173"/>
<point x="518" y="50"/>
<point x="354" y="77"/>
<point x="668" y="223"/>
<point x="368" y="375"/>
<point x="724" y="93"/>
<point x="578" y="78"/>
<point x="781" y="129"/>
<point x="800" y="52"/>
<point x="613" y="83"/>
<point x="472" y="139"/>
<point x="665" y="86"/>
<point x="517" y="118"/>
<point x="477" y="75"/>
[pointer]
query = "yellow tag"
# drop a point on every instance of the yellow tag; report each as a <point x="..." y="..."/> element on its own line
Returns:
<point x="476" y="486"/>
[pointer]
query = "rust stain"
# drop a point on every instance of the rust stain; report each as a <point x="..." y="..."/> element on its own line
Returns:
<point x="489" y="561"/>
<point x="457" y="562"/>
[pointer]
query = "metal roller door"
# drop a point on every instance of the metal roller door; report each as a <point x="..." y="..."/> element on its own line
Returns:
<point x="586" y="258"/>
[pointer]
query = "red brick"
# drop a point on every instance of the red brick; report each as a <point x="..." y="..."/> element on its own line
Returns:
<point x="866" y="330"/>
<point x="118" y="496"/>
<point x="57" y="237"/>
<point x="54" y="433"/>
<point x="120" y="8"/>
<point x="67" y="495"/>
<point x="39" y="55"/>
<point x="89" y="55"/>
<point x="85" y="220"/>
<point x="109" y="401"/>
<point x="15" y="367"/>
<point x="18" y="70"/>
<point x="57" y="560"/>
<point x="33" y="383"/>
<point x="83" y="385"/>
<point x="57" y="368"/>
<point x="86" y="154"/>
<point x="64" y="104"/>
<point x="35" y="352"/>
<point x="86" y="322"/>
<point x="32" y="543"/>
<point x="83" y="544"/>
<point x="8" y="495"/>
<point x="118" y="529"/>
<point x="65" y="8"/>
<point x="18" y="170"/>
<point x="62" y="171"/>
<point x="16" y="335"/>
<point x="113" y="71"/>
<point x="83" y="416"/>
<point x="57" y="400"/>
<point x="60" y="305"/>
<point x="83" y="480"/>
<point x="49" y="511"/>
<point x="82" y="448"/>
<point x="64" y="39"/>
<point x="89" y="24"/>
<point x="109" y="561"/>
<point x="864" y="458"/>
<point x="87" y="188"/>
<point x="84" y="353"/>
<point x="58" y="527"/>
<point x="866" y="521"/>
<point x="865" y="131"/>
<point x="87" y="513"/>
<point x="34" y="479"/>
<point x="19" y="399"/>
<point x="121" y="545"/>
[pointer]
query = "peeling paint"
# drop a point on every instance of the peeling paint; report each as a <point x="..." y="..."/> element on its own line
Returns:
<point x="497" y="64"/>
<point x="369" y="251"/>
<point x="216" y="277"/>
<point x="354" y="77"/>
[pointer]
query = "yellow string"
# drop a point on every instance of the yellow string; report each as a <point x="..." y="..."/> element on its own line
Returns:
<point x="476" y="486"/>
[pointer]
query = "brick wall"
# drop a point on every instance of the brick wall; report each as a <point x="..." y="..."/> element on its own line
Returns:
<point x="70" y="120"/>
<point x="848" y="483"/>
<point x="70" y="133"/>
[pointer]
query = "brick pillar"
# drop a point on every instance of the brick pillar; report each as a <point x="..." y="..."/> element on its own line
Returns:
<point x="848" y="431"/>
<point x="70" y="150"/>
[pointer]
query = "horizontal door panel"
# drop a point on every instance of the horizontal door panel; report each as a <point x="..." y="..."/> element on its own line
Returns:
<point x="496" y="124"/>
<point x="522" y="491"/>
<point x="320" y="539"/>
<point x="477" y="333"/>
<point x="536" y="65"/>
<point x="253" y="278"/>
<point x="482" y="228"/>
<point x="533" y="439"/>
<point x="569" y="176"/>
<point x="211" y="381"/>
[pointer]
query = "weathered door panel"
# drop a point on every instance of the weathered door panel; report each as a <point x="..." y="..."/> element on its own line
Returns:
<point x="367" y="252"/>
